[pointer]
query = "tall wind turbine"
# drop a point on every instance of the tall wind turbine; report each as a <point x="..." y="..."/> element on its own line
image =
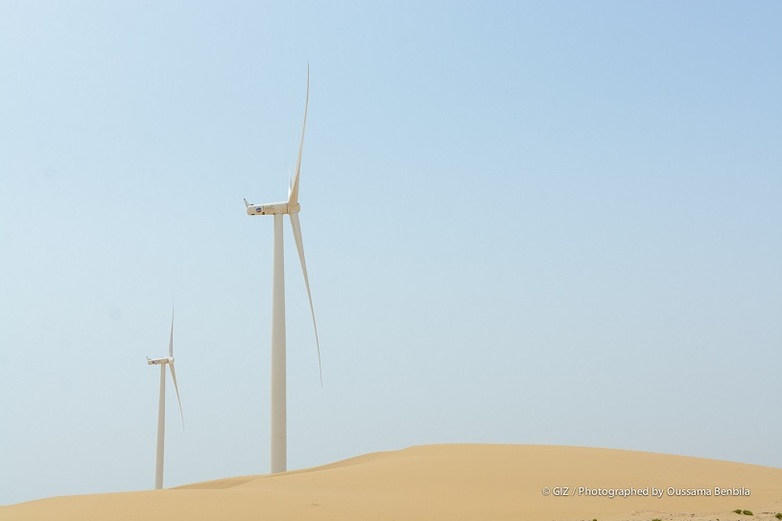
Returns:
<point x="161" y="413"/>
<point x="290" y="207"/>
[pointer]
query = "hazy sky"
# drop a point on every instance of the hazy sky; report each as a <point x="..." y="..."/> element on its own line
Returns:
<point x="525" y="222"/>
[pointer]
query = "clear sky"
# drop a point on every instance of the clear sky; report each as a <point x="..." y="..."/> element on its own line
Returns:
<point x="525" y="222"/>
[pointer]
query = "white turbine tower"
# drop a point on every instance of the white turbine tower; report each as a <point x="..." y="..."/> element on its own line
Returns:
<point x="290" y="207"/>
<point x="161" y="413"/>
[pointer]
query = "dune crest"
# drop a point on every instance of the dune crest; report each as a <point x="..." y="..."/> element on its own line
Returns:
<point x="455" y="482"/>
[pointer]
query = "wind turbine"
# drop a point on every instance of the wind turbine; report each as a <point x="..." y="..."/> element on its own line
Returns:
<point x="278" y="388"/>
<point x="161" y="413"/>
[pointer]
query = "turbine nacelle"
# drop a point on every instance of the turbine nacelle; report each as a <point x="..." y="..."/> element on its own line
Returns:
<point x="160" y="361"/>
<point x="272" y="208"/>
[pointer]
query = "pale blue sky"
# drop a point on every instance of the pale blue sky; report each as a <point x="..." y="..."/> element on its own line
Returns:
<point x="525" y="222"/>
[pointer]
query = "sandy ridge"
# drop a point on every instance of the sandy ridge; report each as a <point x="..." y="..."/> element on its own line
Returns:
<point x="454" y="482"/>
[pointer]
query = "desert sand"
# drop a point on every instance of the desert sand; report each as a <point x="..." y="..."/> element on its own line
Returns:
<point x="453" y="482"/>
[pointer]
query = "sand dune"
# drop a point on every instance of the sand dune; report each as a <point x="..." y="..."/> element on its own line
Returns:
<point x="453" y="482"/>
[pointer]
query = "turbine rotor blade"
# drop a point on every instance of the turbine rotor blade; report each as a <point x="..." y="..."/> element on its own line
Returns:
<point x="293" y="191"/>
<point x="300" y="247"/>
<point x="176" y="388"/>
<point x="171" y="338"/>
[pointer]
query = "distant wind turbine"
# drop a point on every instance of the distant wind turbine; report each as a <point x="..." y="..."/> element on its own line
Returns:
<point x="161" y="413"/>
<point x="290" y="207"/>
